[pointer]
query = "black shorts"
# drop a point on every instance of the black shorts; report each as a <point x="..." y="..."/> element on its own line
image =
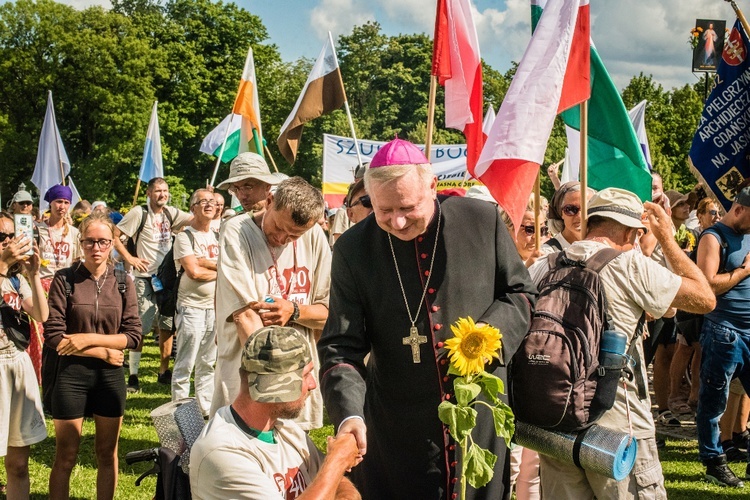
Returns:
<point x="86" y="387"/>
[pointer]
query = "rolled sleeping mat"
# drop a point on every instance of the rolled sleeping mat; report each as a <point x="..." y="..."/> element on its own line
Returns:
<point x="596" y="449"/>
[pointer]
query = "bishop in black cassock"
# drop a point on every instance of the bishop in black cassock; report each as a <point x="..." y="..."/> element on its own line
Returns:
<point x="476" y="272"/>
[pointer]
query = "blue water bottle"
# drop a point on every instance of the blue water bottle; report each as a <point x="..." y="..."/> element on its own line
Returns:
<point x="156" y="283"/>
<point x="612" y="349"/>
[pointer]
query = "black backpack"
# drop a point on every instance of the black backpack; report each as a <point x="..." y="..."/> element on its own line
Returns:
<point x="50" y="358"/>
<point x="132" y="242"/>
<point x="166" y="298"/>
<point x="555" y="379"/>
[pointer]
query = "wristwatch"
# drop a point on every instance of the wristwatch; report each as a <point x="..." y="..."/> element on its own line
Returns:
<point x="295" y="314"/>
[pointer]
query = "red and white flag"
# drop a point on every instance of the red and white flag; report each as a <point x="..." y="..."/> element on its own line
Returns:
<point x="457" y="64"/>
<point x="553" y="75"/>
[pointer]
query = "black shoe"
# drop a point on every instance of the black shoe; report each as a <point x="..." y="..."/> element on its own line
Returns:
<point x="660" y="444"/>
<point x="718" y="472"/>
<point x="165" y="378"/>
<point x="734" y="454"/>
<point x="133" y="385"/>
<point x="741" y="440"/>
<point x="747" y="472"/>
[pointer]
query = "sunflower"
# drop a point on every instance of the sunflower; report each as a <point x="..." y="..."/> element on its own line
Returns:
<point x="472" y="346"/>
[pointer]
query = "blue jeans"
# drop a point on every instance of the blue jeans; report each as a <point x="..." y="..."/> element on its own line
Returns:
<point x="726" y="354"/>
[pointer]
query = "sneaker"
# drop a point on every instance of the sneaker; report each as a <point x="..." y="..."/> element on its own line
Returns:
<point x="741" y="440"/>
<point x="666" y="419"/>
<point x="718" y="472"/>
<point x="165" y="378"/>
<point x="133" y="385"/>
<point x="734" y="454"/>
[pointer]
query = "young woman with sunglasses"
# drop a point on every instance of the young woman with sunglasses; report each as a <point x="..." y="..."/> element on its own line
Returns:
<point x="90" y="324"/>
<point x="564" y="218"/>
<point x="21" y="417"/>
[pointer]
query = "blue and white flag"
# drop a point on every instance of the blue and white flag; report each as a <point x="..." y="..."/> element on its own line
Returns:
<point x="638" y="119"/>
<point x="151" y="165"/>
<point x="721" y="145"/>
<point x="52" y="163"/>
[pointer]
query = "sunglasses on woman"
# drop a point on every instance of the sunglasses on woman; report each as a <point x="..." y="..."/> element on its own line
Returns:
<point x="571" y="210"/>
<point x="5" y="236"/>
<point x="364" y="200"/>
<point x="529" y="230"/>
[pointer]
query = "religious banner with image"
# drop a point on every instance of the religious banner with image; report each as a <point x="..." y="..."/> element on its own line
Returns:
<point x="720" y="152"/>
<point x="340" y="161"/>
<point x="708" y="44"/>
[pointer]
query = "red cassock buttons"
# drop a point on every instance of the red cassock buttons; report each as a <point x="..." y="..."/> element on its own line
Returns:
<point x="438" y="326"/>
<point x="431" y="290"/>
<point x="424" y="255"/>
<point x="435" y="308"/>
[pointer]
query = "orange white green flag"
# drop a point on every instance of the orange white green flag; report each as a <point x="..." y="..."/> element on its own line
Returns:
<point x="247" y="105"/>
<point x="323" y="92"/>
<point x="544" y="85"/>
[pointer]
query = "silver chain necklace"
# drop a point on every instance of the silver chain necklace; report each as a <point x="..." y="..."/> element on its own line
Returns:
<point x="414" y="339"/>
<point x="96" y="281"/>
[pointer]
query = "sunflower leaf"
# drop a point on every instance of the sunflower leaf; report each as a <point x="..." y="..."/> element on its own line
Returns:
<point x="460" y="420"/>
<point x="465" y="392"/>
<point x="503" y="419"/>
<point x="479" y="466"/>
<point x="452" y="370"/>
<point x="491" y="386"/>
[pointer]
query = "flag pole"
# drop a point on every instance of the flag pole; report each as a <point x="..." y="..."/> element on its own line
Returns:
<point x="257" y="140"/>
<point x="268" y="153"/>
<point x="740" y="16"/>
<point x="57" y="144"/>
<point x="431" y="119"/>
<point x="346" y="100"/>
<point x="584" y="138"/>
<point x="537" y="203"/>
<point x="221" y="150"/>
<point x="137" y="188"/>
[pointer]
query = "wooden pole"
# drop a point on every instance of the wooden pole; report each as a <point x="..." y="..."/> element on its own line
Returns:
<point x="537" y="203"/>
<point x="431" y="117"/>
<point x="346" y="101"/>
<point x="740" y="16"/>
<point x="584" y="165"/>
<point x="268" y="153"/>
<point x="137" y="188"/>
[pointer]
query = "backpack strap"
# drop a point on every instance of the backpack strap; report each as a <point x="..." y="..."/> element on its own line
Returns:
<point x="633" y="353"/>
<point x="16" y="282"/>
<point x="67" y="275"/>
<point x="553" y="243"/>
<point x="122" y="281"/>
<point x="600" y="259"/>
<point x="144" y="215"/>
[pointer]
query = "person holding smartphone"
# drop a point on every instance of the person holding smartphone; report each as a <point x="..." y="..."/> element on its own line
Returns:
<point x="21" y="417"/>
<point x="93" y="318"/>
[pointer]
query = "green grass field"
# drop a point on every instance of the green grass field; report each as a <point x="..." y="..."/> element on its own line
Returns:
<point x="682" y="471"/>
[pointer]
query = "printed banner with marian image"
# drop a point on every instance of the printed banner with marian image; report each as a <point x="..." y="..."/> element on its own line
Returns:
<point x="720" y="151"/>
<point x="340" y="161"/>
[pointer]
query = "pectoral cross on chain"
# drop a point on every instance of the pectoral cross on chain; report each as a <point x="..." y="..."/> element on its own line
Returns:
<point x="413" y="340"/>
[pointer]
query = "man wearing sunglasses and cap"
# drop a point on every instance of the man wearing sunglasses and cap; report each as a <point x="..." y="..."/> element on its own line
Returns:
<point x="399" y="279"/>
<point x="632" y="284"/>
<point x="22" y="203"/>
<point x="247" y="451"/>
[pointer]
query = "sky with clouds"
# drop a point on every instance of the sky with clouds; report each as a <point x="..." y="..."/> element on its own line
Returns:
<point x="632" y="36"/>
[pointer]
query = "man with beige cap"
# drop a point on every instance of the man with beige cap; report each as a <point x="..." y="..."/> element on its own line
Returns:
<point x="633" y="284"/>
<point x="249" y="180"/>
<point x="246" y="451"/>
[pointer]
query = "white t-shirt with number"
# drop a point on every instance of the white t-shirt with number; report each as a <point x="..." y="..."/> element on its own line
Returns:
<point x="58" y="248"/>
<point x="14" y="299"/>
<point x="194" y="293"/>
<point x="246" y="273"/>
<point x="155" y="239"/>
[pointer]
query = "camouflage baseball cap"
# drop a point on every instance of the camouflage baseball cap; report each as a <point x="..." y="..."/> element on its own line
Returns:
<point x="274" y="358"/>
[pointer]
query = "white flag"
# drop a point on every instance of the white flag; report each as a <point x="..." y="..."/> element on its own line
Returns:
<point x="52" y="164"/>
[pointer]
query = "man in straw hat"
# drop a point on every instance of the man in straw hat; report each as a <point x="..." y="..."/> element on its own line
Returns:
<point x="632" y="284"/>
<point x="399" y="279"/>
<point x="247" y="452"/>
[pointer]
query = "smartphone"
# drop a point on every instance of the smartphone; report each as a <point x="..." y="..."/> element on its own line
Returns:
<point x="25" y="227"/>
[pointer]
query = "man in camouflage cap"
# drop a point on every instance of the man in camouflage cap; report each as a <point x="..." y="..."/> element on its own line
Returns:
<point x="245" y="451"/>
